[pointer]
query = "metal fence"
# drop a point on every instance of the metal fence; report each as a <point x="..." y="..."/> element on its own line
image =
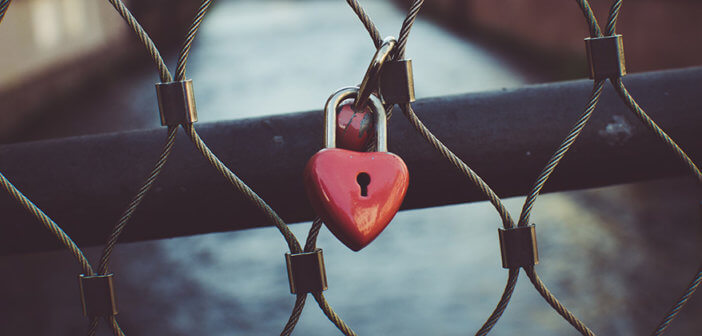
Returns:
<point x="517" y="237"/>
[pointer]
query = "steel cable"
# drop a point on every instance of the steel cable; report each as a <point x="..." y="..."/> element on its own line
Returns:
<point x="170" y="140"/>
<point x="678" y="306"/>
<point x="136" y="200"/>
<point x="172" y="131"/>
<point x="590" y="18"/>
<point x="294" y="315"/>
<point x="653" y="127"/>
<point x="317" y="223"/>
<point x="4" y="4"/>
<point x="560" y="153"/>
<point x="144" y="39"/>
<point x="367" y="22"/>
<point x="119" y="227"/>
<point x="189" y="38"/>
<point x="512" y="279"/>
<point x="331" y="315"/>
<point x="557" y="306"/>
<point x="292" y="242"/>
<point x="48" y="223"/>
<point x="242" y="187"/>
<point x="631" y="103"/>
<point x="407" y="24"/>
<point x="636" y="109"/>
<point x="439" y="146"/>
<point x="34" y="210"/>
<point x="673" y="146"/>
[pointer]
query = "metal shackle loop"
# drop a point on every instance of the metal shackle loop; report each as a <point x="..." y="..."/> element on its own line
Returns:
<point x="372" y="77"/>
<point x="330" y="117"/>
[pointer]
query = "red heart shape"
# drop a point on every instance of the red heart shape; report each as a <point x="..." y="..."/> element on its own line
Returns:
<point x="334" y="178"/>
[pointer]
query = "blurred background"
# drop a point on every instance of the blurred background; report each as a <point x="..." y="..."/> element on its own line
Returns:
<point x="618" y="257"/>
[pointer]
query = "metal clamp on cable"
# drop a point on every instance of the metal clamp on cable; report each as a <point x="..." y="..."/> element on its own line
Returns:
<point x="176" y="102"/>
<point x="306" y="272"/>
<point x="605" y="56"/>
<point x="518" y="246"/>
<point x="97" y="295"/>
<point x="397" y="82"/>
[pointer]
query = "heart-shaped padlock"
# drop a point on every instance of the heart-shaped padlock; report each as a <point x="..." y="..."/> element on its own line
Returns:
<point x="356" y="193"/>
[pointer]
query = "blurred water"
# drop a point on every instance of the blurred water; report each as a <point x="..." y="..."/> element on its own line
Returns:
<point x="432" y="272"/>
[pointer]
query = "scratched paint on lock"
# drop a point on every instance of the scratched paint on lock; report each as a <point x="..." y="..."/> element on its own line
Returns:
<point x="353" y="128"/>
<point x="336" y="195"/>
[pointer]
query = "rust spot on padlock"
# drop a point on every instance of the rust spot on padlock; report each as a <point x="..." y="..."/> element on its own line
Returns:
<point x="353" y="129"/>
<point x="356" y="193"/>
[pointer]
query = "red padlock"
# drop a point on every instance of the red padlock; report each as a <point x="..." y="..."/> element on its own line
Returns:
<point x="356" y="193"/>
<point x="353" y="128"/>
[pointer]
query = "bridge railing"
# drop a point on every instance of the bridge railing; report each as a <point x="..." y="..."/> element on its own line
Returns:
<point x="505" y="136"/>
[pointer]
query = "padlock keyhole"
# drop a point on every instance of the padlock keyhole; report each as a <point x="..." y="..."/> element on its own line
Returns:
<point x="363" y="180"/>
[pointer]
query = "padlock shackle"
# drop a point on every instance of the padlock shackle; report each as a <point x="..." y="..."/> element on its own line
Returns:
<point x="374" y="104"/>
<point x="370" y="81"/>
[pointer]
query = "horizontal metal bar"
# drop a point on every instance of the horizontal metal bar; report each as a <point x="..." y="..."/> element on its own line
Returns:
<point x="506" y="136"/>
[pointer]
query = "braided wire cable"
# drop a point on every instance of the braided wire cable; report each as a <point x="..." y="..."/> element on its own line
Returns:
<point x="458" y="163"/>
<point x="272" y="216"/>
<point x="653" y="127"/>
<point x="94" y="322"/>
<point x="694" y="169"/>
<point x="590" y="18"/>
<point x="448" y="154"/>
<point x="406" y="27"/>
<point x="367" y="22"/>
<point x="417" y="123"/>
<point x="317" y="223"/>
<point x="631" y="103"/>
<point x="34" y="210"/>
<point x="189" y="38"/>
<point x="614" y="11"/>
<point x="558" y="156"/>
<point x="678" y="306"/>
<point x="512" y="278"/>
<point x="310" y="245"/>
<point x="114" y="326"/>
<point x="136" y="200"/>
<point x="560" y="153"/>
<point x="311" y="242"/>
<point x="557" y="306"/>
<point x="493" y="198"/>
<point x="48" y="223"/>
<point x="4" y="4"/>
<point x="167" y="148"/>
<point x="294" y="315"/>
<point x="144" y="38"/>
<point x="331" y="315"/>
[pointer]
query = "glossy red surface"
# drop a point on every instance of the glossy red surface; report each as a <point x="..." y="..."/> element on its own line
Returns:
<point x="336" y="195"/>
<point x="353" y="129"/>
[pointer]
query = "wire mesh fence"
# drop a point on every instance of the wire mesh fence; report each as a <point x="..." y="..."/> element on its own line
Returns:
<point x="100" y="277"/>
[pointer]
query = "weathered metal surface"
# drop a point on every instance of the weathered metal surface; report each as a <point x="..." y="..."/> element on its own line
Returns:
<point x="506" y="136"/>
<point x="605" y="56"/>
<point x="176" y="103"/>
